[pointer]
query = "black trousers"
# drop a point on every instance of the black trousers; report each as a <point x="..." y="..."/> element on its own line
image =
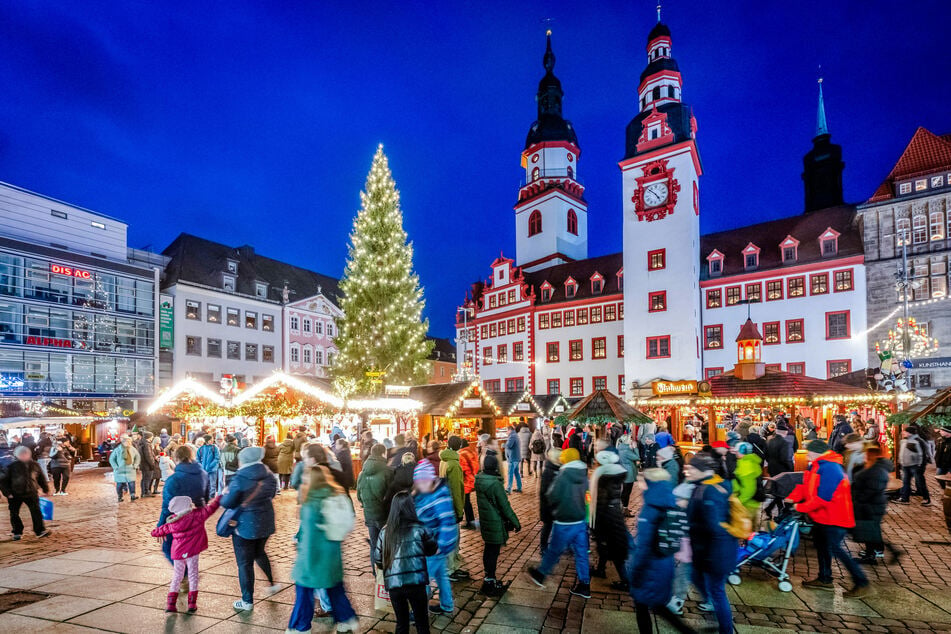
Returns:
<point x="490" y="559"/>
<point x="246" y="553"/>
<point x="146" y="480"/>
<point x="546" y="535"/>
<point x="626" y="489"/>
<point x="470" y="513"/>
<point x="60" y="478"/>
<point x="32" y="503"/>
<point x="409" y="598"/>
<point x="645" y="623"/>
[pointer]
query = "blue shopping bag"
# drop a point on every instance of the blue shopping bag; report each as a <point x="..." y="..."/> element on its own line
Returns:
<point x="46" y="508"/>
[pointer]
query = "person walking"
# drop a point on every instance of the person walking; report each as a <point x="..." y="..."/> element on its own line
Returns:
<point x="546" y="506"/>
<point x="840" y="430"/>
<point x="496" y="519"/>
<point x="513" y="457"/>
<point x="853" y="458"/>
<point x="21" y="484"/>
<point x="400" y="448"/>
<point x="651" y="571"/>
<point x="627" y="458"/>
<point x="913" y="457"/>
<point x="124" y="461"/>
<point x="570" y="531"/>
<point x="524" y="448"/>
<point x="469" y="461"/>
<point x="229" y="458"/>
<point x="372" y="487"/>
<point x="538" y="446"/>
<point x="666" y="460"/>
<point x="869" y="503"/>
<point x="148" y="466"/>
<point x="401" y="550"/>
<point x="451" y="472"/>
<point x="61" y="464"/>
<point x="252" y="490"/>
<point x="209" y="457"/>
<point x="942" y="453"/>
<point x="343" y="456"/>
<point x="748" y="475"/>
<point x="156" y="446"/>
<point x="285" y="462"/>
<point x="319" y="562"/>
<point x="825" y="495"/>
<point x="606" y="519"/>
<point x="435" y="510"/>
<point x="185" y="527"/>
<point x="271" y="452"/>
<point x="713" y="548"/>
<point x="188" y="479"/>
<point x="778" y="457"/>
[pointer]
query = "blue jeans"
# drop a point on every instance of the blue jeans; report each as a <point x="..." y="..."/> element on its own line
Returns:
<point x="828" y="541"/>
<point x="303" y="615"/>
<point x="713" y="589"/>
<point x="563" y="537"/>
<point x="439" y="572"/>
<point x="513" y="473"/>
<point x="213" y="487"/>
<point x="122" y="486"/>
<point x="247" y="552"/>
<point x="916" y="473"/>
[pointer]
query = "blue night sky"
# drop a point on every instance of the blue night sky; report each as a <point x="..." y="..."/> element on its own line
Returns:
<point x="254" y="123"/>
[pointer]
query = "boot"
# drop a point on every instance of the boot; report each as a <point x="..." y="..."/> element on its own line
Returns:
<point x="498" y="588"/>
<point x="171" y="601"/>
<point x="192" y="601"/>
<point x="488" y="586"/>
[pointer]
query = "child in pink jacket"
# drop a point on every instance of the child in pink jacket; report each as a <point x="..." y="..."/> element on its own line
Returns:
<point x="186" y="525"/>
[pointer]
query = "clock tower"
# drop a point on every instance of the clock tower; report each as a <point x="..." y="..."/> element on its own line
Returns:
<point x="660" y="174"/>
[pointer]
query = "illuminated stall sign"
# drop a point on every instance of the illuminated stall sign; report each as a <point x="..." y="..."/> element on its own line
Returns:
<point x="47" y="341"/>
<point x="70" y="271"/>
<point x="664" y="388"/>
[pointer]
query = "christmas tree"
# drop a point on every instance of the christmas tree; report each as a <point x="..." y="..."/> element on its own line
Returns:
<point x="381" y="337"/>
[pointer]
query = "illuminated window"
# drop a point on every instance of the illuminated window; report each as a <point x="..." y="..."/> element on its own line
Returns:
<point x="487" y="356"/>
<point x="575" y="350"/>
<point x="543" y="321"/>
<point x="774" y="290"/>
<point x="502" y="354"/>
<point x="937" y="225"/>
<point x="620" y="345"/>
<point x="732" y="295"/>
<point x="582" y="316"/>
<point x="596" y="315"/>
<point x="794" y="331"/>
<point x="554" y="386"/>
<point x="577" y="387"/>
<point x="599" y="383"/>
<point x="796" y="287"/>
<point x="610" y="312"/>
<point x="902" y="231"/>
<point x="192" y="309"/>
<point x="656" y="260"/>
<point x="599" y="348"/>
<point x="657" y="301"/>
<point x="819" y="283"/>
<point x="552" y="352"/>
<point x="713" y="298"/>
<point x="770" y="333"/>
<point x="569" y="318"/>
<point x="713" y="337"/>
<point x="919" y="229"/>
<point x="838" y="368"/>
<point x="518" y="351"/>
<point x="754" y="292"/>
<point x="843" y="280"/>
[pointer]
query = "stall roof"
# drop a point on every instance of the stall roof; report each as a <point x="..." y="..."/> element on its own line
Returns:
<point x="443" y="399"/>
<point x="604" y="404"/>
<point x="31" y="421"/>
<point x="548" y="403"/>
<point x="939" y="403"/>
<point x="508" y="401"/>
<point x="779" y="383"/>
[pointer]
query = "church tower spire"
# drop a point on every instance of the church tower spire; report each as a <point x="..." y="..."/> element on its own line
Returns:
<point x="821" y="126"/>
<point x="822" y="166"/>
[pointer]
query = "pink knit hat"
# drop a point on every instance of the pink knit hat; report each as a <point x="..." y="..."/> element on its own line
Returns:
<point x="424" y="471"/>
<point x="180" y="504"/>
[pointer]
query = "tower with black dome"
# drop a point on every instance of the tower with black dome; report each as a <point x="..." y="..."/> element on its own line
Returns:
<point x="661" y="205"/>
<point x="551" y="215"/>
<point x="822" y="166"/>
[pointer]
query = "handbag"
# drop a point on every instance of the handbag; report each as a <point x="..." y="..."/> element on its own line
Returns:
<point x="228" y="521"/>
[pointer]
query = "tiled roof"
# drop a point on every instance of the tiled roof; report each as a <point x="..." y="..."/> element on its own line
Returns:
<point x="603" y="403"/>
<point x="749" y="331"/>
<point x="202" y="261"/>
<point x="925" y="153"/>
<point x="443" y="349"/>
<point x="778" y="383"/>
<point x="806" y="228"/>
<point x="581" y="272"/>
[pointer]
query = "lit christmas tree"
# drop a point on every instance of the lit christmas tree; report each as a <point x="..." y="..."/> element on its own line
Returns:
<point x="381" y="337"/>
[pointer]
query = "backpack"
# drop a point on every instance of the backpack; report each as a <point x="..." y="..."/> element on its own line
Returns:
<point x="230" y="459"/>
<point x="538" y="446"/>
<point x="671" y="530"/>
<point x="740" y="525"/>
<point x="338" y="515"/>
<point x="926" y="457"/>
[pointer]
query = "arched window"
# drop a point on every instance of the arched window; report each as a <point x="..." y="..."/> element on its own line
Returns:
<point x="571" y="172"/>
<point x="572" y="221"/>
<point x="670" y="92"/>
<point x="535" y="174"/>
<point x="656" y="92"/>
<point x="534" y="223"/>
<point x="902" y="231"/>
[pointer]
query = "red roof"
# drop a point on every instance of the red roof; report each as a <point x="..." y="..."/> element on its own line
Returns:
<point x="779" y="383"/>
<point x="926" y="152"/>
<point x="749" y="331"/>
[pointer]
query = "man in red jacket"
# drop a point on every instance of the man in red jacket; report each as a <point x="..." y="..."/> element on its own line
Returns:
<point x="469" y="461"/>
<point x="826" y="497"/>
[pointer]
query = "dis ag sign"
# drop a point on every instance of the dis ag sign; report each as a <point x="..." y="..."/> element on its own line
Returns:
<point x="69" y="271"/>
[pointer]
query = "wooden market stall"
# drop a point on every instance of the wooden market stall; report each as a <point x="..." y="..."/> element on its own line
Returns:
<point x="518" y="408"/>
<point x="462" y="409"/>
<point x="552" y="405"/>
<point x="602" y="406"/>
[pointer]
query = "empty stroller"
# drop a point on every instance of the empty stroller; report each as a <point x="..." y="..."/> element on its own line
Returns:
<point x="771" y="551"/>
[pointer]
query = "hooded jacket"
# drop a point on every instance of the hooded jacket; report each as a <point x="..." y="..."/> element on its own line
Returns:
<point x="628" y="459"/>
<point x="256" y="519"/>
<point x="319" y="563"/>
<point x="209" y="457"/>
<point x="513" y="449"/>
<point x="714" y="549"/>
<point x="837" y="438"/>
<point x="749" y="469"/>
<point x="408" y="567"/>
<point x="911" y="451"/>
<point x="868" y="490"/>
<point x="549" y="471"/>
<point x="495" y="513"/>
<point x="650" y="573"/>
<point x="606" y="516"/>
<point x="567" y="493"/>
<point x="451" y="471"/>
<point x="285" y="457"/>
<point x="187" y="479"/>
<point x="189" y="537"/>
<point x="437" y="514"/>
<point x="469" y="461"/>
<point x="372" y="487"/>
<point x="825" y="494"/>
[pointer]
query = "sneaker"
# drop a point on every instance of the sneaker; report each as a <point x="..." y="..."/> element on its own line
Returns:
<point x="859" y="592"/>
<point x="498" y="588"/>
<point x="676" y="605"/>
<point x="488" y="587"/>
<point x="349" y="626"/>
<point x="459" y="575"/>
<point x="64" y="493"/>
<point x="926" y="503"/>
<point x="536" y="577"/>
<point x="17" y="538"/>
<point x="818" y="584"/>
<point x="620" y="586"/>
<point x="705" y="606"/>
<point x="242" y="606"/>
<point x="435" y="608"/>
<point x="581" y="590"/>
<point x="45" y="533"/>
<point x="273" y="588"/>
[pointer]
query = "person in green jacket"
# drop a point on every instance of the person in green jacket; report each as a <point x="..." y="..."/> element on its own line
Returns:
<point x="372" y="486"/>
<point x="319" y="564"/>
<point x="749" y="469"/>
<point x="451" y="471"/>
<point x="496" y="517"/>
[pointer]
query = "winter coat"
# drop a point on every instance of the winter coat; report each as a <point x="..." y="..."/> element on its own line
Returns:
<point x="451" y="471"/>
<point x="513" y="449"/>
<point x="778" y="459"/>
<point x="942" y="453"/>
<point x="164" y="439"/>
<point x="433" y="459"/>
<point x="650" y="573"/>
<point x="538" y="442"/>
<point x="825" y="494"/>
<point x="837" y="437"/>
<point x="285" y="457"/>
<point x="868" y="490"/>
<point x="271" y="451"/>
<point x="147" y="460"/>
<point x="396" y="459"/>
<point x="469" y="461"/>
<point x="299" y="441"/>
<point x="912" y="451"/>
<point x="759" y="444"/>
<point x="609" y="530"/>
<point x="366" y="446"/>
<point x="24" y="480"/>
<point x="749" y="469"/>
<point x="524" y="443"/>
<point x="42" y="449"/>
<point x="402" y="480"/>
<point x="256" y="519"/>
<point x="714" y="549"/>
<point x="672" y="467"/>
<point x="664" y="439"/>
<point x="122" y="472"/>
<point x="188" y="531"/>
<point x="649" y="455"/>
<point x="319" y="563"/>
<point x="628" y="459"/>
<point x="209" y="457"/>
<point x="61" y="457"/>
<point x="549" y="471"/>
<point x="372" y="487"/>
<point x="408" y="566"/>
<point x="436" y="512"/>
<point x="229" y="457"/>
<point x="567" y="493"/>
<point x="187" y="479"/>
<point x="346" y="478"/>
<point x="496" y="516"/>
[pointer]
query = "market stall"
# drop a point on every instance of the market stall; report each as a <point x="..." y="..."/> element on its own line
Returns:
<point x="518" y="408"/>
<point x="602" y="407"/>
<point x="462" y="409"/>
<point x="552" y="405"/>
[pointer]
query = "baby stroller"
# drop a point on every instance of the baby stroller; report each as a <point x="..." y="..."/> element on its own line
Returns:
<point x="775" y="508"/>
<point x="771" y="551"/>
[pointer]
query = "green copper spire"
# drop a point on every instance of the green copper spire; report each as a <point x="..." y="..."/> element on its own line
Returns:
<point x="821" y="126"/>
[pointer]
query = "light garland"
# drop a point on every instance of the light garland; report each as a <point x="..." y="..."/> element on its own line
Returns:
<point x="451" y="410"/>
<point x="919" y="344"/>
<point x="185" y="386"/>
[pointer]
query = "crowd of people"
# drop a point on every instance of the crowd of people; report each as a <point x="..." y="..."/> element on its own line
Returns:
<point x="417" y="496"/>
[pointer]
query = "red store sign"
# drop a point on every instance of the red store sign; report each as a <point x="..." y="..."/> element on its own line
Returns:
<point x="69" y="271"/>
<point x="46" y="341"/>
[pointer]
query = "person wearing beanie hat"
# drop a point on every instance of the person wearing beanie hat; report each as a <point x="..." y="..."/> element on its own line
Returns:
<point x="252" y="489"/>
<point x="713" y="548"/>
<point x="496" y="519"/>
<point x="648" y="450"/>
<point x="628" y="455"/>
<point x="606" y="518"/>
<point x="914" y="454"/>
<point x="569" y="531"/>
<point x="666" y="461"/>
<point x="434" y="507"/>
<point x="840" y="430"/>
<point x="825" y="495"/>
<point x="546" y="505"/>
<point x="450" y="470"/>
<point x="779" y="454"/>
<point x="186" y="527"/>
<point x="229" y="458"/>
<point x="372" y="487"/>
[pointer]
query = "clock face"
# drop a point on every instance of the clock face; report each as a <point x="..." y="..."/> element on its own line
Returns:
<point x="655" y="195"/>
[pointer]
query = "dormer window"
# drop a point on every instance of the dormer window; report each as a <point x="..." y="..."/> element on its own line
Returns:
<point x="546" y="292"/>
<point x="260" y="290"/>
<point x="571" y="172"/>
<point x="571" y="287"/>
<point x="829" y="242"/>
<point x="789" y="249"/>
<point x="715" y="263"/>
<point x="751" y="257"/>
<point x="233" y="267"/>
<point x="597" y="285"/>
<point x="228" y="282"/>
